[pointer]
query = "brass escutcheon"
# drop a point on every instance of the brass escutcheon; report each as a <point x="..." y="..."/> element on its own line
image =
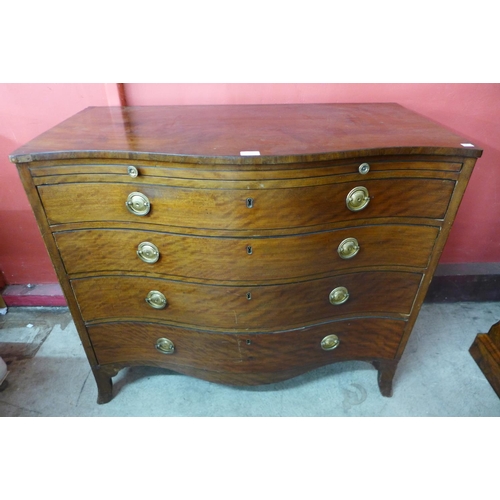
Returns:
<point x="138" y="204"/>
<point x="357" y="199"/>
<point x="148" y="252"/>
<point x="339" y="295"/>
<point x="156" y="300"/>
<point x="165" y="346"/>
<point x="348" y="248"/>
<point x="330" y="342"/>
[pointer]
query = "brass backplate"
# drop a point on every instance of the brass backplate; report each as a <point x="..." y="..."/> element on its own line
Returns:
<point x="330" y="342"/>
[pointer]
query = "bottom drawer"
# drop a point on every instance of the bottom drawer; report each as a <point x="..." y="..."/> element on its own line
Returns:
<point x="131" y="343"/>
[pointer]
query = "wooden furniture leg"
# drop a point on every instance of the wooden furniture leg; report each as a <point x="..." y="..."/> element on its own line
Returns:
<point x="486" y="353"/>
<point x="103" y="377"/>
<point x="386" y="370"/>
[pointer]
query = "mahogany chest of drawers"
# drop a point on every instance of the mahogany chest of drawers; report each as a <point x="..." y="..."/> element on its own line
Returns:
<point x="245" y="244"/>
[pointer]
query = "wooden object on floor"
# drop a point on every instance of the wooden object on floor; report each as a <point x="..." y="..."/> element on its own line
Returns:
<point x="245" y="244"/>
<point x="486" y="353"/>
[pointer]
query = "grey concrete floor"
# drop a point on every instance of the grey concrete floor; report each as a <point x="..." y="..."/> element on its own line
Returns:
<point x="49" y="376"/>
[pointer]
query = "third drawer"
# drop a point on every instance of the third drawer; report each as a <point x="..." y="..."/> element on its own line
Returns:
<point x="248" y="308"/>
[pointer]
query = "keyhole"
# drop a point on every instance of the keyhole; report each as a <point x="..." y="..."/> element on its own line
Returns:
<point x="249" y="250"/>
<point x="249" y="296"/>
<point x="249" y="202"/>
<point x="249" y="341"/>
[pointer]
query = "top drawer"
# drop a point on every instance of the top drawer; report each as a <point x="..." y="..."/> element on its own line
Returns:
<point x="240" y="209"/>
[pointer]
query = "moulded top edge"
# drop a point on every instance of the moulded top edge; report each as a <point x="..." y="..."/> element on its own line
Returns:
<point x="220" y="133"/>
<point x="20" y="157"/>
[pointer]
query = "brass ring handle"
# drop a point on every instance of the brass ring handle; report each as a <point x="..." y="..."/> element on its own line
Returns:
<point x="148" y="252"/>
<point x="348" y="248"/>
<point x="165" y="346"/>
<point x="357" y="199"/>
<point x="330" y="342"/>
<point x="138" y="204"/>
<point x="156" y="300"/>
<point x="339" y="295"/>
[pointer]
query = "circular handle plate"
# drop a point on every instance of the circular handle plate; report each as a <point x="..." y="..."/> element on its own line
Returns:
<point x="330" y="342"/>
<point x="138" y="204"/>
<point x="156" y="299"/>
<point x="348" y="248"/>
<point x="339" y="295"/>
<point x="148" y="252"/>
<point x="165" y="346"/>
<point x="357" y="199"/>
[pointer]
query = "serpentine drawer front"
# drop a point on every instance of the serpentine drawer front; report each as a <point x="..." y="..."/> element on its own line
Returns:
<point x="247" y="307"/>
<point x="271" y="258"/>
<point x="177" y="249"/>
<point x="245" y="354"/>
<point x="229" y="208"/>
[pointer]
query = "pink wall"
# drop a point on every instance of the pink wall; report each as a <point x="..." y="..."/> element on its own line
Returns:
<point x="27" y="110"/>
<point x="472" y="110"/>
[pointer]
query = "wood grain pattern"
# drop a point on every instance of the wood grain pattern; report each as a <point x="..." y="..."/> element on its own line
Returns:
<point x="227" y="307"/>
<point x="44" y="170"/>
<point x="438" y="249"/>
<point x="224" y="208"/>
<point x="222" y="132"/>
<point x="125" y="342"/>
<point x="227" y="259"/>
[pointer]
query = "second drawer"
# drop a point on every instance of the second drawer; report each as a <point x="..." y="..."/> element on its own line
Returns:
<point x="245" y="259"/>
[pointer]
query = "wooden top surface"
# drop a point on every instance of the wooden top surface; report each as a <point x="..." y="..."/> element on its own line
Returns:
<point x="221" y="132"/>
